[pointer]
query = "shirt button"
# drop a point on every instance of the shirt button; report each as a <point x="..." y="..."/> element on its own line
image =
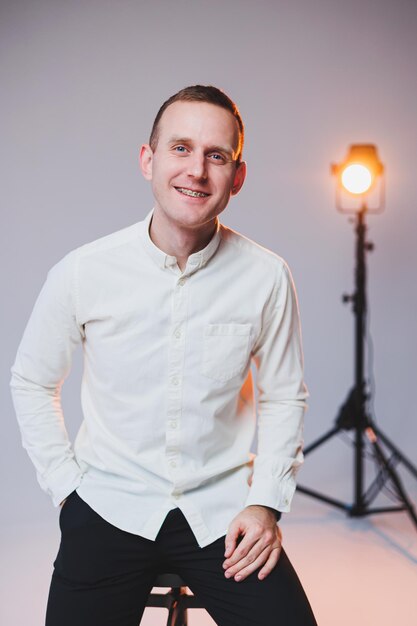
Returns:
<point x="177" y="496"/>
<point x="173" y="464"/>
<point x="177" y="334"/>
<point x="173" y="424"/>
<point x="175" y="381"/>
<point x="181" y="282"/>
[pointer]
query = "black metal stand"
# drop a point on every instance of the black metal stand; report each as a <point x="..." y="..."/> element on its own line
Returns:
<point x="353" y="415"/>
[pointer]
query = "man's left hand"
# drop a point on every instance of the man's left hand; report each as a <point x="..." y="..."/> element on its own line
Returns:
<point x="259" y="547"/>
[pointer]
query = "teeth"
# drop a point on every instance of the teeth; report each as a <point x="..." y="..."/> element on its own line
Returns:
<point x="194" y="194"/>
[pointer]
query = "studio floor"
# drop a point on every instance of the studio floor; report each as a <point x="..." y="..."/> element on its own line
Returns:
<point x="361" y="571"/>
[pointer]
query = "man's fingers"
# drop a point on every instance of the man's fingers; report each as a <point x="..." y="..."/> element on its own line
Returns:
<point x="231" y="540"/>
<point x="270" y="564"/>
<point x="250" y="547"/>
<point x="242" y="560"/>
<point x="266" y="560"/>
<point x="242" y="550"/>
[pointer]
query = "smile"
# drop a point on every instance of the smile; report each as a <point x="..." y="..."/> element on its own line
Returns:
<point x="190" y="192"/>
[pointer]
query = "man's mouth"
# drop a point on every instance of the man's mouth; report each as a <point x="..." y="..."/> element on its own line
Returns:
<point x="192" y="193"/>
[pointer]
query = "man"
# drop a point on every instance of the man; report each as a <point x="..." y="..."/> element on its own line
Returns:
<point x="170" y="312"/>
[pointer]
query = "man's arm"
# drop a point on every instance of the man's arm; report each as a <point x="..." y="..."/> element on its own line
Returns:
<point x="42" y="363"/>
<point x="281" y="404"/>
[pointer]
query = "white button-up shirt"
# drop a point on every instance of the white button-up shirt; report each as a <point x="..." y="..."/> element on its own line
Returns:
<point x="167" y="393"/>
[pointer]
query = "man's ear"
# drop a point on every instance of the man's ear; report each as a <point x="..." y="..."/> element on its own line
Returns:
<point x="239" y="178"/>
<point x="146" y="160"/>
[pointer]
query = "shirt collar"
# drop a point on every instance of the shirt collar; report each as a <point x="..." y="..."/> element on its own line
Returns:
<point x="195" y="261"/>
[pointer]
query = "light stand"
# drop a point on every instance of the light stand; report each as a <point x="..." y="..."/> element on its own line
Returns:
<point x="353" y="414"/>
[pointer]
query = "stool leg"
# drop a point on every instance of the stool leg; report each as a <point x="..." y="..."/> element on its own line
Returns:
<point x="177" y="615"/>
<point x="181" y="619"/>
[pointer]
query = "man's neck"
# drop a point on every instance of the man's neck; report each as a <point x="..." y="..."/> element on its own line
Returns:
<point x="180" y="241"/>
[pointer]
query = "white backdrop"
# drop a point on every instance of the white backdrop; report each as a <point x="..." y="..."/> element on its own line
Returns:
<point x="81" y="83"/>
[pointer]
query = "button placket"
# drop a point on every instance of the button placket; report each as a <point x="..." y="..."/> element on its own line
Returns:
<point x="176" y="364"/>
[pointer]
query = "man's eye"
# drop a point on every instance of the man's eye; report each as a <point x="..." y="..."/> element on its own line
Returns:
<point x="180" y="149"/>
<point x="217" y="158"/>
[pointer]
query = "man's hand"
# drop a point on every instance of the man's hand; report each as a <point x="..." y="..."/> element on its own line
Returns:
<point x="259" y="547"/>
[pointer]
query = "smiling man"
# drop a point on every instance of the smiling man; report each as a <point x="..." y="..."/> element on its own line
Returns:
<point x="170" y="313"/>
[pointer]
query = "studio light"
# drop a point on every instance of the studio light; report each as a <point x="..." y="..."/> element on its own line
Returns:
<point x="360" y="180"/>
<point x="356" y="178"/>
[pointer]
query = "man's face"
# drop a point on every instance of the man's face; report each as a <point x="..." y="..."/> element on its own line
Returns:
<point x="192" y="168"/>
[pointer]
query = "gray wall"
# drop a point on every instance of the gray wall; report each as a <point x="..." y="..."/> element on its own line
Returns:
<point x="81" y="82"/>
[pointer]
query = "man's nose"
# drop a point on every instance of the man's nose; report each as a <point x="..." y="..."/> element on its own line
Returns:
<point x="197" y="166"/>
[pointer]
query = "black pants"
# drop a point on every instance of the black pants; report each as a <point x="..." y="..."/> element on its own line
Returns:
<point x="103" y="576"/>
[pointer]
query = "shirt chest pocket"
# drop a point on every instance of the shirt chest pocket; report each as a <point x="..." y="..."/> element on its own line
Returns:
<point x="226" y="350"/>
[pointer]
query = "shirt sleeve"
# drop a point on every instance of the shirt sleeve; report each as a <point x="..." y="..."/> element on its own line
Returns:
<point x="281" y="399"/>
<point x="42" y="363"/>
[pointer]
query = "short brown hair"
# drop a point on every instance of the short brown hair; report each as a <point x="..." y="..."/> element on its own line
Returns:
<point x="201" y="93"/>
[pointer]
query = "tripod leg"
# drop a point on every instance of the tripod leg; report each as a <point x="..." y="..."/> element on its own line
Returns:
<point x="321" y="440"/>
<point x="395" y="450"/>
<point x="396" y="480"/>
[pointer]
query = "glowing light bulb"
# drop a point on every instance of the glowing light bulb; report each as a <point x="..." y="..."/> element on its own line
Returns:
<point x="356" y="178"/>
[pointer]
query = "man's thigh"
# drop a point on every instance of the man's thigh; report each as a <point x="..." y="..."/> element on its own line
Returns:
<point x="102" y="575"/>
<point x="277" y="600"/>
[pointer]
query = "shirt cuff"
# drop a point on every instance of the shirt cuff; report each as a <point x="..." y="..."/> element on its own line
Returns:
<point x="276" y="495"/>
<point x="62" y="481"/>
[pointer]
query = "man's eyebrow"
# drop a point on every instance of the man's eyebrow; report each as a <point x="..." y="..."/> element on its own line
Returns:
<point x="178" y="139"/>
<point x="186" y="140"/>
